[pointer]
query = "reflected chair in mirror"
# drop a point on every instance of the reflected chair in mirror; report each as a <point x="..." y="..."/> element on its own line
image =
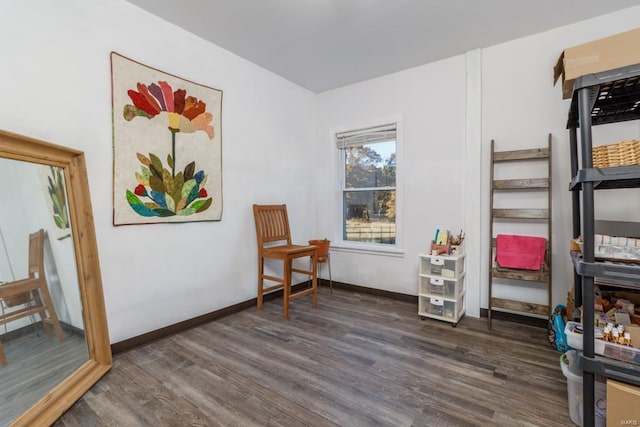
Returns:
<point x="30" y="296"/>
<point x="274" y="242"/>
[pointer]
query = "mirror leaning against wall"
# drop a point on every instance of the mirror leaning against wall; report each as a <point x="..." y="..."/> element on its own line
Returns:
<point x="54" y="342"/>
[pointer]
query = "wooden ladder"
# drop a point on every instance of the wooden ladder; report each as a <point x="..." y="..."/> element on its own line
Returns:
<point x="525" y="216"/>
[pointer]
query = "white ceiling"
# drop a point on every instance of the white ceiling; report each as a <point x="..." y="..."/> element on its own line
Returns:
<point x="324" y="44"/>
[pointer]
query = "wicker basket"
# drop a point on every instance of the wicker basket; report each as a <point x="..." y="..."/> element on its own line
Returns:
<point x="623" y="153"/>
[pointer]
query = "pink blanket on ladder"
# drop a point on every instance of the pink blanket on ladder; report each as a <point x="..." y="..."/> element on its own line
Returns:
<point x="523" y="252"/>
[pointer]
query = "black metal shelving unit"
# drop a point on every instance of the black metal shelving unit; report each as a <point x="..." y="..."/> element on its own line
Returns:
<point x="601" y="98"/>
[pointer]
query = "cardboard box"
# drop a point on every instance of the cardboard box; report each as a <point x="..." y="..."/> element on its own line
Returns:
<point x="599" y="55"/>
<point x="634" y="331"/>
<point x="622" y="404"/>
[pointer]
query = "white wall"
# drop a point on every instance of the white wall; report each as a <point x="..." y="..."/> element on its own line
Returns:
<point x="430" y="100"/>
<point x="505" y="93"/>
<point x="57" y="88"/>
<point x="275" y="137"/>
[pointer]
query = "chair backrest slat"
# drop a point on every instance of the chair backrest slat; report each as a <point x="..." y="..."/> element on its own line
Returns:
<point x="36" y="254"/>
<point x="272" y="224"/>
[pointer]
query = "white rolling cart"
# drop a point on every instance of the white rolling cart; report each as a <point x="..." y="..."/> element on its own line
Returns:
<point x="441" y="286"/>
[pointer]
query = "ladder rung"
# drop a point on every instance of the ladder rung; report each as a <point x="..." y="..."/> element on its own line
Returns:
<point x="519" y="306"/>
<point x="521" y="213"/>
<point x="521" y="184"/>
<point x="509" y="156"/>
<point x="541" y="276"/>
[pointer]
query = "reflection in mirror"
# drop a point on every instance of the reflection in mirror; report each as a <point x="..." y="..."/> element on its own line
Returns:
<point x="78" y="304"/>
<point x="42" y="334"/>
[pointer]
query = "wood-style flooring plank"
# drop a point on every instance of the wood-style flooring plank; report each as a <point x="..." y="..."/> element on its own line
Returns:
<point x="355" y="360"/>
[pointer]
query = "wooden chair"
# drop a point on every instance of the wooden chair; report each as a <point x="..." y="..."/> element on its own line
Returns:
<point x="274" y="242"/>
<point x="32" y="292"/>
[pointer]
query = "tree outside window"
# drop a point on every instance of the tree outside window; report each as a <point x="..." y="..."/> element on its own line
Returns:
<point x="369" y="186"/>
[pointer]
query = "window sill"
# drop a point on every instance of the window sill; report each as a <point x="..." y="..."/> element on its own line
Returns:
<point x="367" y="249"/>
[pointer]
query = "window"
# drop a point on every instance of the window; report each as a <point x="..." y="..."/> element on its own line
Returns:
<point x="368" y="158"/>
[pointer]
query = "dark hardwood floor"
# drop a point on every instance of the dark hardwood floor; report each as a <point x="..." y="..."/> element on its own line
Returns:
<point x="356" y="360"/>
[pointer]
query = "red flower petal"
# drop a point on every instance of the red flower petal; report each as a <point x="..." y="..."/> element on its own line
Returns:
<point x="140" y="190"/>
<point x="167" y="91"/>
<point x="152" y="101"/>
<point x="178" y="100"/>
<point x="140" y="101"/>
<point x="203" y="192"/>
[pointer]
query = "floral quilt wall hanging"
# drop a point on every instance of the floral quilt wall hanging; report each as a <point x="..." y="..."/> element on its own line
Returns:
<point x="167" y="147"/>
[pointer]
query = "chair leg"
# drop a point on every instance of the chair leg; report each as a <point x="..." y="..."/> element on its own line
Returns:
<point x="317" y="272"/>
<point x="329" y="266"/>
<point x="286" y="288"/>
<point x="260" y="282"/>
<point x="3" y="358"/>
<point x="41" y="311"/>
<point x="53" y="317"/>
<point x="314" y="284"/>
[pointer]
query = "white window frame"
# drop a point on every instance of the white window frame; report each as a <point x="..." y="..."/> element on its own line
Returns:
<point x="338" y="243"/>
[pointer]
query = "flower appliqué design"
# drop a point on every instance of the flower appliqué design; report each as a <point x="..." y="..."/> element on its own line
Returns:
<point x="161" y="192"/>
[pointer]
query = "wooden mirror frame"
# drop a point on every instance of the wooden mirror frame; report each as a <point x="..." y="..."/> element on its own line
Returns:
<point x="55" y="402"/>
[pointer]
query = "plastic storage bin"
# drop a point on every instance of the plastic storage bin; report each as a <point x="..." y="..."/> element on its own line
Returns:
<point x="438" y="286"/>
<point x="444" y="266"/>
<point x="602" y="348"/>
<point x="569" y="365"/>
<point x="435" y="306"/>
